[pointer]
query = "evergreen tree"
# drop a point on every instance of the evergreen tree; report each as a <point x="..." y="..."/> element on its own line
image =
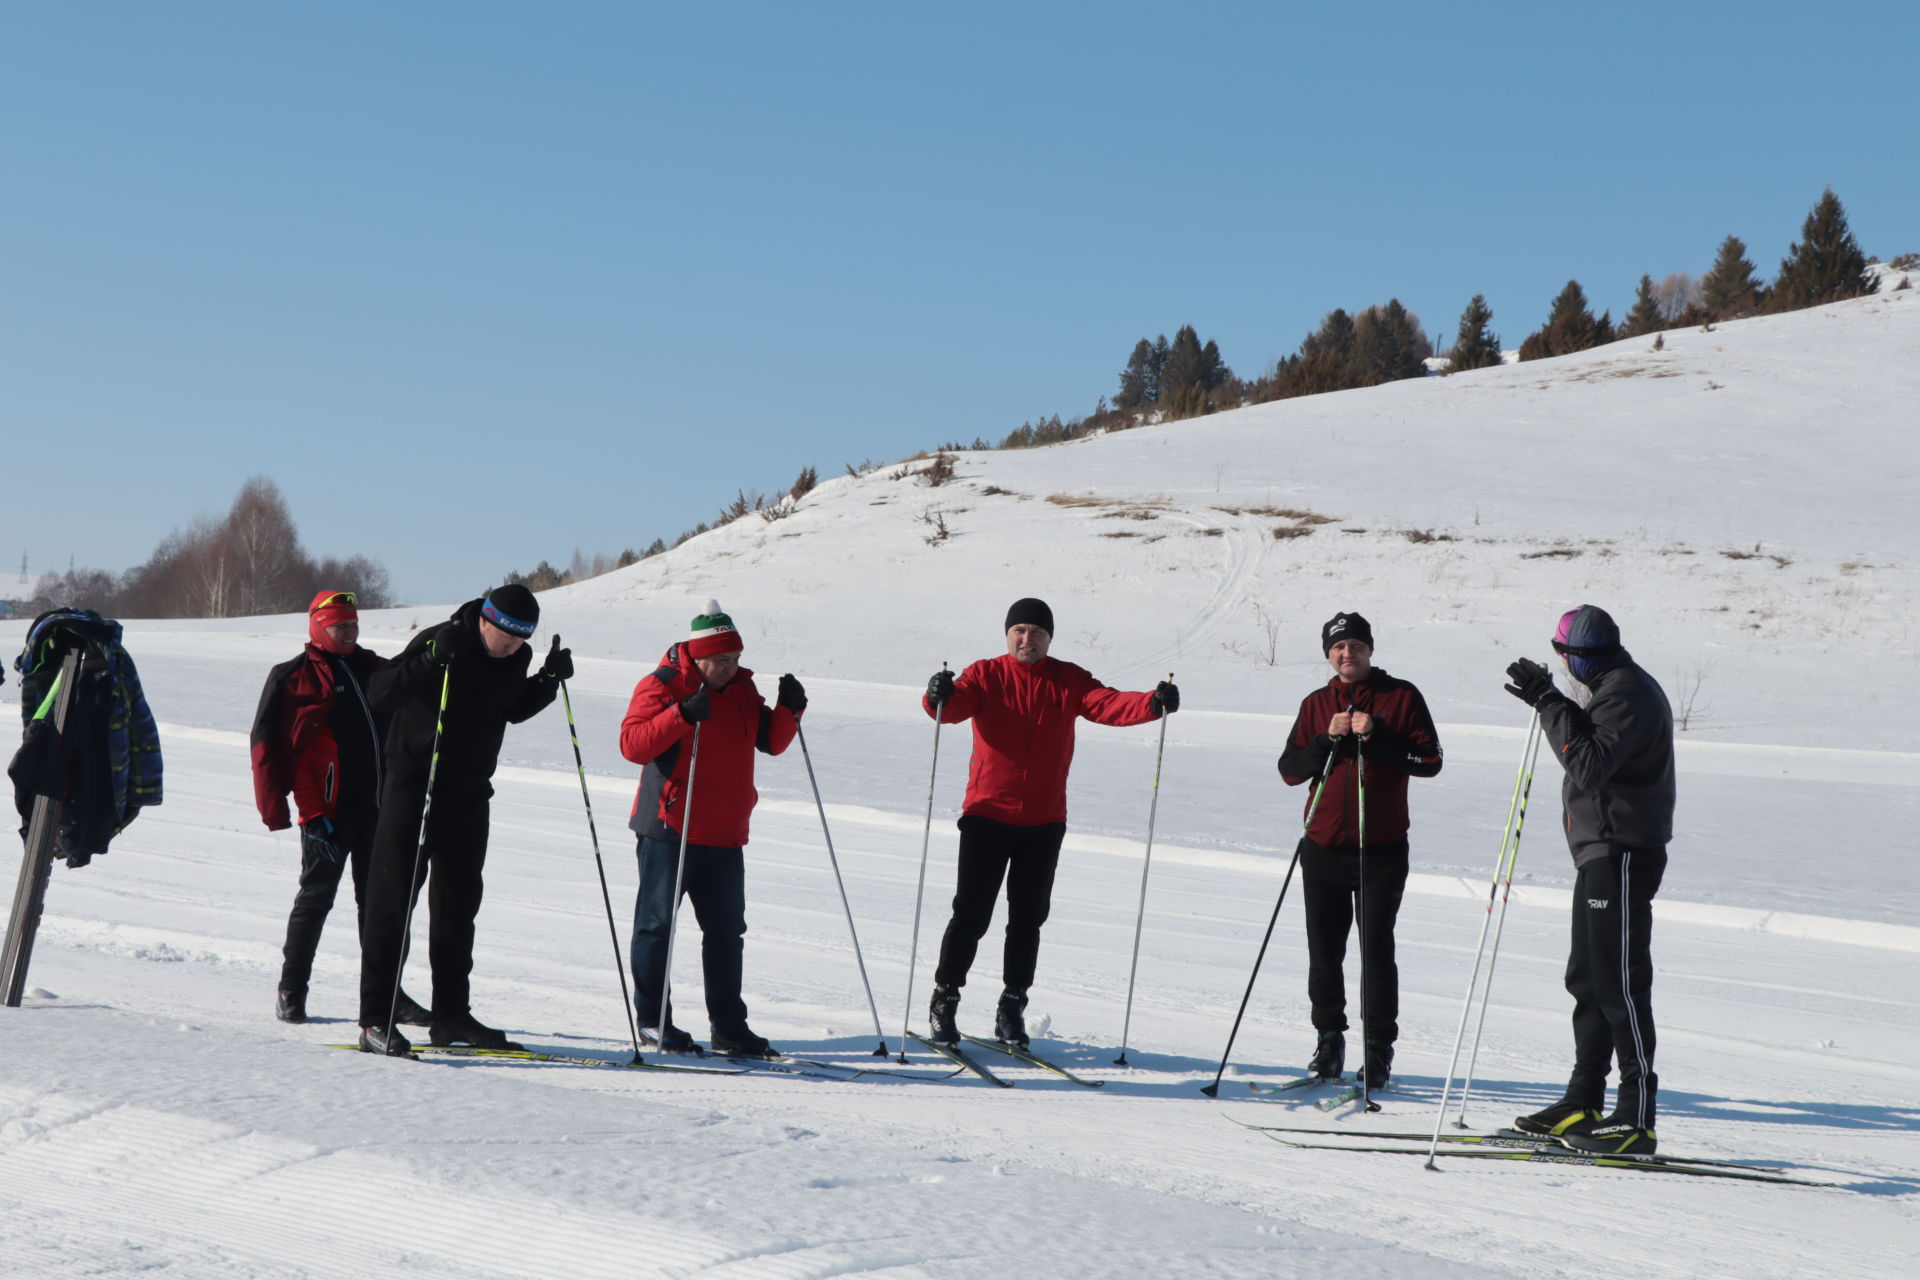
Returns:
<point x="1323" y="362"/>
<point x="1183" y="383"/>
<point x="1729" y="289"/>
<point x="1645" y="316"/>
<point x="1570" y="327"/>
<point x="1477" y="346"/>
<point x="1139" y="384"/>
<point x="1158" y="367"/>
<point x="1826" y="265"/>
<point x="1387" y="346"/>
<point x="1214" y="373"/>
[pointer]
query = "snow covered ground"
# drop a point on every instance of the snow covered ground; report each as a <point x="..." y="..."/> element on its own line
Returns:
<point x="1741" y="500"/>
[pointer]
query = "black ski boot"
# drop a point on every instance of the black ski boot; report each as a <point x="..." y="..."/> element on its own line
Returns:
<point x="385" y="1040"/>
<point x="1617" y="1135"/>
<point x="741" y="1042"/>
<point x="467" y="1030"/>
<point x="1010" y="1020"/>
<point x="1556" y="1119"/>
<point x="1329" y="1056"/>
<point x="290" y="1005"/>
<point x="1379" y="1066"/>
<point x="408" y="1012"/>
<point x="673" y="1041"/>
<point x="942" y="1028"/>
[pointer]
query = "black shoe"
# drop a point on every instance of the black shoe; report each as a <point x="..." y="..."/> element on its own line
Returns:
<point x="1612" y="1136"/>
<point x="1556" y="1119"/>
<point x="742" y="1043"/>
<point x="1010" y="1019"/>
<point x="409" y="1013"/>
<point x="1329" y="1056"/>
<point x="466" y="1030"/>
<point x="289" y="1005"/>
<point x="940" y="1015"/>
<point x="385" y="1040"/>
<point x="1379" y="1066"/>
<point x="674" y="1040"/>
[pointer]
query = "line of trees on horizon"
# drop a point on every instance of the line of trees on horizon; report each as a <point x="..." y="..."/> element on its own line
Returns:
<point x="248" y="563"/>
<point x="1164" y="381"/>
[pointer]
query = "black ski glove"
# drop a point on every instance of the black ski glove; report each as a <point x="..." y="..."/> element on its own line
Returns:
<point x="450" y="644"/>
<point x="697" y="706"/>
<point x="1166" y="698"/>
<point x="940" y="688"/>
<point x="1532" y="684"/>
<point x="559" y="663"/>
<point x="316" y="836"/>
<point x="792" y="695"/>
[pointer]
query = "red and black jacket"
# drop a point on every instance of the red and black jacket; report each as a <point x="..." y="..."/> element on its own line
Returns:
<point x="317" y="735"/>
<point x="1404" y="744"/>
<point x="656" y="735"/>
<point x="1023" y="720"/>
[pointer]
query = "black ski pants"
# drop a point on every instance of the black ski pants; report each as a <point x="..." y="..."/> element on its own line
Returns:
<point x="1330" y="883"/>
<point x="1025" y="857"/>
<point x="319" y="883"/>
<point x="716" y="880"/>
<point x="1610" y="976"/>
<point x="456" y="853"/>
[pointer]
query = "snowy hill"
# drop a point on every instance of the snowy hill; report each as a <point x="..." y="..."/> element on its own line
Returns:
<point x="1741" y="500"/>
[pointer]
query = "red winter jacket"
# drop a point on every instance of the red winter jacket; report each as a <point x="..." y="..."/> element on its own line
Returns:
<point x="1403" y="744"/>
<point x="654" y="734"/>
<point x="307" y="703"/>
<point x="1023" y="718"/>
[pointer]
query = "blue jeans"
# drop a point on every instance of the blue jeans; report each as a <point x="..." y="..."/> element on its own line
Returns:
<point x="716" y="880"/>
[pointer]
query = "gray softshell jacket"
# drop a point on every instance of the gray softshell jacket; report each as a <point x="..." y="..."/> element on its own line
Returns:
<point x="1618" y="754"/>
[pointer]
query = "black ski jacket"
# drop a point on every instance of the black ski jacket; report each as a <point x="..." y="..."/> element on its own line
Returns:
<point x="485" y="696"/>
<point x="1618" y="754"/>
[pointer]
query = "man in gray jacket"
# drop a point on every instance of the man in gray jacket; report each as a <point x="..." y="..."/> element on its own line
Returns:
<point x="1614" y="738"/>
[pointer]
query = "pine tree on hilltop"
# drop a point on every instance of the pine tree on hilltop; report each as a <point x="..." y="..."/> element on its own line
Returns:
<point x="1477" y="346"/>
<point x="1387" y="346"/>
<point x="1730" y="290"/>
<point x="1645" y="316"/>
<point x="1183" y="383"/>
<point x="1570" y="327"/>
<point x="1826" y="265"/>
<point x="1139" y="386"/>
<point x="1323" y="360"/>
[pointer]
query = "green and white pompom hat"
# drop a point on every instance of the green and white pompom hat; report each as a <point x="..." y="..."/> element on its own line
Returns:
<point x="713" y="633"/>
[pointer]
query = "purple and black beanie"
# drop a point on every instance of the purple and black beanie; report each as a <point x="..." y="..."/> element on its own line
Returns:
<point x="1589" y="639"/>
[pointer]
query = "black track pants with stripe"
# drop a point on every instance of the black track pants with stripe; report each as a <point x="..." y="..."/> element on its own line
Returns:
<point x="1610" y="976"/>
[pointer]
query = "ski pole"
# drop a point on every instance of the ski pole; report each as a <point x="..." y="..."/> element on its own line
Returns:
<point x="679" y="880"/>
<point x="580" y="764"/>
<point x="420" y="850"/>
<point x="827" y="835"/>
<point x="1213" y="1090"/>
<point x="1499" y="928"/>
<point x="1360" y="912"/>
<point x="919" y="895"/>
<point x="1473" y="980"/>
<point x="1139" y="919"/>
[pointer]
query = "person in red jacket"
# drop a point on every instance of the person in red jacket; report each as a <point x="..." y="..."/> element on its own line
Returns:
<point x="1361" y="713"/>
<point x="699" y="684"/>
<point x="1023" y="705"/>
<point x="317" y="735"/>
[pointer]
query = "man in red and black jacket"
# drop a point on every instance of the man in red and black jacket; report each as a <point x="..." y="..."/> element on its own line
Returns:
<point x="1362" y="713"/>
<point x="1023" y="705"/>
<point x="699" y="684"/>
<point x="317" y="735"/>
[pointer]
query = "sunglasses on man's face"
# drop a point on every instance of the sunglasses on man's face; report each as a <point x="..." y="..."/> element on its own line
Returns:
<point x="338" y="597"/>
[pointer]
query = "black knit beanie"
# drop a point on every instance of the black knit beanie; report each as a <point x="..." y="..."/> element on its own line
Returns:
<point x="1344" y="626"/>
<point x="1032" y="612"/>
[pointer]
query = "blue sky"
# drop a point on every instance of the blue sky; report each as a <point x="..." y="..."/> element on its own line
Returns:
<point x="481" y="283"/>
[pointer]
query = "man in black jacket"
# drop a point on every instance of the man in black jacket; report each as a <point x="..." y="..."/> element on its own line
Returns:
<point x="1614" y="738"/>
<point x="480" y="656"/>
